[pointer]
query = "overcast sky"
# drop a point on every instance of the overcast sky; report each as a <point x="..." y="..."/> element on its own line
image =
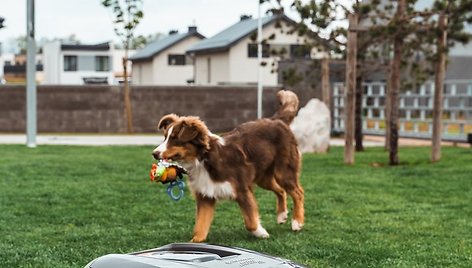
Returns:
<point x="91" y="22"/>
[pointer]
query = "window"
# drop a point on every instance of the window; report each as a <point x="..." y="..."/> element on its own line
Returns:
<point x="70" y="63"/>
<point x="176" y="59"/>
<point x="102" y="63"/>
<point x="300" y="51"/>
<point x="252" y="50"/>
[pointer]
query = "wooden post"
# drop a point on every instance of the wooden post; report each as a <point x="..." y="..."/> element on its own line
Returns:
<point x="438" y="88"/>
<point x="351" y="65"/>
<point x="325" y="86"/>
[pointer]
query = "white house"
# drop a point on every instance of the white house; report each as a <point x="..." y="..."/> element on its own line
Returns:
<point x="117" y="64"/>
<point x="230" y="57"/>
<point x="164" y="61"/>
<point x="78" y="64"/>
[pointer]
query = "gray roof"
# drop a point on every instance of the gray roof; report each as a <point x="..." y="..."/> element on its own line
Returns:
<point x="226" y="38"/>
<point x="97" y="47"/>
<point x="156" y="47"/>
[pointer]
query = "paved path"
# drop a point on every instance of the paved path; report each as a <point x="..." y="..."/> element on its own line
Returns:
<point x="94" y="140"/>
<point x="98" y="140"/>
<point x="153" y="140"/>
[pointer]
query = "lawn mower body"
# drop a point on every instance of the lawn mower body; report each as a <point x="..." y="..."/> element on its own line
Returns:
<point x="188" y="255"/>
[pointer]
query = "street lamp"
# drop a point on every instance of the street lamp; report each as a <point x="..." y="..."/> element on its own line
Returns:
<point x="259" y="61"/>
<point x="30" y="77"/>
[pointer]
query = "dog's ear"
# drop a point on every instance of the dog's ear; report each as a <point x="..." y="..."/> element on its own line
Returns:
<point x="166" y="120"/>
<point x="187" y="132"/>
<point x="193" y="129"/>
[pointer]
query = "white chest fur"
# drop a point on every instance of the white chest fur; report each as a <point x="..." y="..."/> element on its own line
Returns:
<point x="201" y="183"/>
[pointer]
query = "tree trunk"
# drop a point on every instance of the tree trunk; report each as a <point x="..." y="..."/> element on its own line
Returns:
<point x="388" y="110"/>
<point x="359" y="135"/>
<point x="351" y="65"/>
<point x="127" y="94"/>
<point x="438" y="88"/>
<point x="395" y="85"/>
<point x="325" y="86"/>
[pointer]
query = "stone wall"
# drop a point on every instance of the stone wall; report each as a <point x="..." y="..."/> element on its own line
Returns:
<point x="100" y="109"/>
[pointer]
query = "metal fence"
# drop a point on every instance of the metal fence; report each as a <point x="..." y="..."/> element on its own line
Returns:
<point x="416" y="109"/>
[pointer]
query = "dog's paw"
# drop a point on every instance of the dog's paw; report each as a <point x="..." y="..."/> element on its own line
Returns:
<point x="296" y="226"/>
<point x="282" y="217"/>
<point x="196" y="239"/>
<point x="260" y="232"/>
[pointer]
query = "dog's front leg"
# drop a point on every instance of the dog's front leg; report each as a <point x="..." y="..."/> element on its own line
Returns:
<point x="204" y="217"/>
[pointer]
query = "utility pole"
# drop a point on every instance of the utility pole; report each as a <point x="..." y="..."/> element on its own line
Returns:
<point x="259" y="60"/>
<point x="30" y="77"/>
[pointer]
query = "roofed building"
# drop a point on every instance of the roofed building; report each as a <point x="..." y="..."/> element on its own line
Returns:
<point x="77" y="64"/>
<point x="164" y="61"/>
<point x="230" y="57"/>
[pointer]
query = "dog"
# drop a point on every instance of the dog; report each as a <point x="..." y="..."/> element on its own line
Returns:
<point x="262" y="152"/>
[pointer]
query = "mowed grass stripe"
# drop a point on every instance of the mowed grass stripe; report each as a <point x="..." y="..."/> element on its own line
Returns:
<point x="62" y="206"/>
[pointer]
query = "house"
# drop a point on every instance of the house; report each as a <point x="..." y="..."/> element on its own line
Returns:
<point x="77" y="64"/>
<point x="6" y="59"/>
<point x="164" y="61"/>
<point x="117" y="65"/>
<point x="13" y="68"/>
<point x="230" y="57"/>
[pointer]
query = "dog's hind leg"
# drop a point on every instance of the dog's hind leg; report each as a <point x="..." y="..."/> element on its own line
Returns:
<point x="272" y="185"/>
<point x="298" y="218"/>
<point x="288" y="179"/>
<point x="247" y="204"/>
<point x="204" y="217"/>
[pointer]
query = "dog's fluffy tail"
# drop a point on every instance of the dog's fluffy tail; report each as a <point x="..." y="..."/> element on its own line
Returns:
<point x="288" y="108"/>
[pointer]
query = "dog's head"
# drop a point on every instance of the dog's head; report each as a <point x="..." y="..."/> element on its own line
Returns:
<point x="186" y="138"/>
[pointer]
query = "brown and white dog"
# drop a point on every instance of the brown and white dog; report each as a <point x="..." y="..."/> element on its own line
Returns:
<point x="262" y="152"/>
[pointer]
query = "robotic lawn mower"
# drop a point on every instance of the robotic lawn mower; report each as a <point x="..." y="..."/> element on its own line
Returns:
<point x="187" y="255"/>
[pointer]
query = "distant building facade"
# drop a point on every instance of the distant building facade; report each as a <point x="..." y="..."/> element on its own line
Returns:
<point x="164" y="62"/>
<point x="69" y="64"/>
<point x="230" y="57"/>
<point x="13" y="68"/>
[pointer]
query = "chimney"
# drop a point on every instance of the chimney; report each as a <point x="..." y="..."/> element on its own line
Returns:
<point x="192" y="29"/>
<point x="171" y="32"/>
<point x="245" y="17"/>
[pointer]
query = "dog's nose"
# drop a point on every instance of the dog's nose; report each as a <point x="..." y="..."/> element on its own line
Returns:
<point x="156" y="155"/>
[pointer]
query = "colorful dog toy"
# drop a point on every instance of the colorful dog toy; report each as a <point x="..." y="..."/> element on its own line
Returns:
<point x="169" y="172"/>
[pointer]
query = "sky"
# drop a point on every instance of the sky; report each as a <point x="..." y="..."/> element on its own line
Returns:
<point x="92" y="23"/>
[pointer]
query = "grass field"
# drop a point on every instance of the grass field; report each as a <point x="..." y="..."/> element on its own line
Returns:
<point x="62" y="206"/>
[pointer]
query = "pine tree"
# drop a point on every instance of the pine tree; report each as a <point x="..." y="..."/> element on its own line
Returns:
<point x="419" y="32"/>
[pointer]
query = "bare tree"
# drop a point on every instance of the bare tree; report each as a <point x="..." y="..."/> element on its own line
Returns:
<point x="127" y="15"/>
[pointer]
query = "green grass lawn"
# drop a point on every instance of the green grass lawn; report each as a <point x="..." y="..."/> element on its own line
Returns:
<point x="62" y="206"/>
